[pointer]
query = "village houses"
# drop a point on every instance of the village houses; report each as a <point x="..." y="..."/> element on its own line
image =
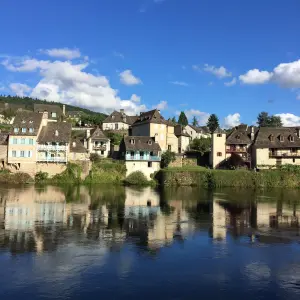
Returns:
<point x="118" y="120"/>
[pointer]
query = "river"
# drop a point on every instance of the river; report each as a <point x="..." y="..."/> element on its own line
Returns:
<point x="108" y="242"/>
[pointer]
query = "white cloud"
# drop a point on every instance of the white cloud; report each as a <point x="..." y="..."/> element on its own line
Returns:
<point x="256" y="76"/>
<point x="20" y="89"/>
<point x="287" y="75"/>
<point x="67" y="82"/>
<point x="127" y="78"/>
<point x="62" y="53"/>
<point x="201" y="116"/>
<point x="161" y="105"/>
<point x="289" y="119"/>
<point x="232" y="120"/>
<point x="220" y="72"/>
<point x="230" y="83"/>
<point x="135" y="98"/>
<point x="119" y="54"/>
<point x="181" y="83"/>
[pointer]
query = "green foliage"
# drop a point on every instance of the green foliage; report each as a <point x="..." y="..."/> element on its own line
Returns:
<point x="8" y="114"/>
<point x="94" y="157"/>
<point x="235" y="161"/>
<point x="136" y="178"/>
<point x="182" y="120"/>
<point x="195" y="121"/>
<point x="173" y="120"/>
<point x="72" y="174"/>
<point x="41" y="176"/>
<point x="95" y="119"/>
<point x="201" y="145"/>
<point x="115" y="138"/>
<point x="14" y="178"/>
<point x="265" y="120"/>
<point x="166" y="158"/>
<point x="213" y="123"/>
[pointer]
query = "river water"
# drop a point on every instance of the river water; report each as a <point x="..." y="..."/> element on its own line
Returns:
<point x="107" y="242"/>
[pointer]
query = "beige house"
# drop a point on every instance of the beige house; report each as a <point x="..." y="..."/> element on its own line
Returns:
<point x="197" y="131"/>
<point x="118" y="121"/>
<point x="218" y="148"/>
<point x="97" y="142"/>
<point x="4" y="137"/>
<point x="183" y="137"/>
<point x="78" y="151"/>
<point x="141" y="153"/>
<point x="152" y="124"/>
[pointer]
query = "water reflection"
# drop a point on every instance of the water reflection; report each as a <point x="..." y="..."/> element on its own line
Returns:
<point x="41" y="219"/>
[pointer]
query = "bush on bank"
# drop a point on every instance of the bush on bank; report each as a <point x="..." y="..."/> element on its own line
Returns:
<point x="138" y="178"/>
<point x="14" y="178"/>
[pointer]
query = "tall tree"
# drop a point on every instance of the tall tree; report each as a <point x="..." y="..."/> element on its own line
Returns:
<point x="182" y="120"/>
<point x="213" y="123"/>
<point x="173" y="120"/>
<point x="265" y="120"/>
<point x="195" y="121"/>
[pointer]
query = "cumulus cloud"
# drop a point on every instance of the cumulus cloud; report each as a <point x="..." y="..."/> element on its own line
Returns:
<point x="70" y="83"/>
<point x="181" y="83"/>
<point x="20" y="89"/>
<point x="201" y="116"/>
<point x="62" y="53"/>
<point x="127" y="78"/>
<point x="230" y="83"/>
<point x="220" y="72"/>
<point x="289" y="119"/>
<point x="161" y="105"/>
<point x="232" y="120"/>
<point x="256" y="76"/>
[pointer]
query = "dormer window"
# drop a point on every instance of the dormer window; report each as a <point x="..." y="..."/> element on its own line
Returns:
<point x="23" y="121"/>
<point x="149" y="142"/>
<point x="238" y="137"/>
<point x="271" y="138"/>
<point x="31" y="130"/>
<point x="23" y="130"/>
<point x="56" y="132"/>
<point x="113" y="117"/>
<point x="16" y="130"/>
<point x="281" y="138"/>
<point x="30" y="121"/>
<point x="132" y="141"/>
<point x="292" y="139"/>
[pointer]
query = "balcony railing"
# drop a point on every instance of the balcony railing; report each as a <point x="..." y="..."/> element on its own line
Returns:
<point x="143" y="158"/>
<point x="51" y="148"/>
<point x="283" y="155"/>
<point x="99" y="147"/>
<point x="236" y="150"/>
<point x="52" y="159"/>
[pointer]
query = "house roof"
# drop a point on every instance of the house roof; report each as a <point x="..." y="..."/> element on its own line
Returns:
<point x="50" y="108"/>
<point x="120" y="117"/>
<point x="75" y="113"/>
<point x="269" y="137"/>
<point x="56" y="132"/>
<point x="152" y="116"/>
<point x="4" y="138"/>
<point x="140" y="143"/>
<point x="97" y="134"/>
<point x="180" y="131"/>
<point x="200" y="129"/>
<point x="27" y="119"/>
<point x="77" y="146"/>
<point x="241" y="135"/>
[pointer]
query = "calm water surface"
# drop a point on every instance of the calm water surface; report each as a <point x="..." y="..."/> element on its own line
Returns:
<point x="108" y="242"/>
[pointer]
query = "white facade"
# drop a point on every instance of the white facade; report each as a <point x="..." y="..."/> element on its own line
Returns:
<point x="218" y="149"/>
<point x="183" y="143"/>
<point x="146" y="167"/>
<point x="194" y="134"/>
<point x="115" y="126"/>
<point x="102" y="148"/>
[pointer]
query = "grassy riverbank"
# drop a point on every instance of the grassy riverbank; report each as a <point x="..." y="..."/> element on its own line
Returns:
<point x="197" y="176"/>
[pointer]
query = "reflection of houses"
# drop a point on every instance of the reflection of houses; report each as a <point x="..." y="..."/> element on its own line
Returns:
<point x="141" y="153"/>
<point x="218" y="221"/>
<point x="118" y="121"/>
<point x="97" y="142"/>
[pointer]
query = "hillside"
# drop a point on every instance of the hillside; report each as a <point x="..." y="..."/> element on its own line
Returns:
<point x="29" y="103"/>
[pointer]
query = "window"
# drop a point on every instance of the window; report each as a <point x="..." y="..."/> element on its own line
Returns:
<point x="169" y="147"/>
<point x="14" y="153"/>
<point x="294" y="150"/>
<point x="29" y="153"/>
<point x="292" y="139"/>
<point x="22" y="153"/>
<point x="30" y="141"/>
<point x="102" y="152"/>
<point x="294" y="160"/>
<point x="149" y="164"/>
<point x="271" y="137"/>
<point x="281" y="138"/>
<point x="53" y="114"/>
<point x="23" y="141"/>
<point x="23" y="130"/>
<point x="31" y="130"/>
<point x="116" y="126"/>
<point x="219" y="135"/>
<point x="150" y="142"/>
<point x="132" y="154"/>
<point x="219" y="153"/>
<point x="15" y="141"/>
<point x="132" y="141"/>
<point x="30" y="121"/>
<point x="16" y="129"/>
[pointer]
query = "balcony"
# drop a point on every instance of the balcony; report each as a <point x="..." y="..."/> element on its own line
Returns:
<point x="236" y="150"/>
<point x="279" y="154"/>
<point x="143" y="158"/>
<point x="51" y="148"/>
<point x="52" y="159"/>
<point x="99" y="147"/>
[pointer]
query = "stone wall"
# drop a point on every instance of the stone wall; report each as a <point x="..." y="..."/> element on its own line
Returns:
<point x="181" y="161"/>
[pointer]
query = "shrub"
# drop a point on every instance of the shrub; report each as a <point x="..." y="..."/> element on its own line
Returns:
<point x="136" y="178"/>
<point x="94" y="157"/>
<point x="166" y="158"/>
<point x="71" y="175"/>
<point x="41" y="176"/>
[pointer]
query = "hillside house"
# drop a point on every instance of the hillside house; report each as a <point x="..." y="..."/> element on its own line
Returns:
<point x="55" y="112"/>
<point x="184" y="138"/>
<point x="197" y="131"/>
<point x="97" y="142"/>
<point x="118" y="121"/>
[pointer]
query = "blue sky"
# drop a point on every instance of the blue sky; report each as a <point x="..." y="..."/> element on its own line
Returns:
<point x="233" y="58"/>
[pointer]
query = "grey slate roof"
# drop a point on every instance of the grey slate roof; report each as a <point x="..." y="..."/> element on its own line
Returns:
<point x="120" y="117"/>
<point x="48" y="133"/>
<point x="241" y="135"/>
<point x="263" y="139"/>
<point x="27" y="119"/>
<point x="179" y="131"/>
<point x="141" y="143"/>
<point x="77" y="146"/>
<point x="11" y="106"/>
<point x="200" y="129"/>
<point x="97" y="134"/>
<point x="40" y="108"/>
<point x="152" y="116"/>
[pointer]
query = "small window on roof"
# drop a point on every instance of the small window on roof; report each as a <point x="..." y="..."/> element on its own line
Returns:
<point x="56" y="132"/>
<point x="16" y="129"/>
<point x="30" y="121"/>
<point x="238" y="137"/>
<point x="292" y="139"/>
<point x="271" y="138"/>
<point x="132" y="141"/>
<point x="281" y="138"/>
<point x="23" y="121"/>
<point x="31" y="130"/>
<point x="150" y="142"/>
<point x="23" y="130"/>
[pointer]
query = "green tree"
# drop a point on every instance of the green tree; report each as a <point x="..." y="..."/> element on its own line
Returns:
<point x="182" y="120"/>
<point x="213" y="123"/>
<point x="173" y="120"/>
<point x="265" y="120"/>
<point x="195" y="121"/>
<point x="166" y="158"/>
<point x="201" y="145"/>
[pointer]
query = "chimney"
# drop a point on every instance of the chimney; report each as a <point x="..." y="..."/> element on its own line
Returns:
<point x="64" y="110"/>
<point x="88" y="133"/>
<point x="45" y="115"/>
<point x="252" y="133"/>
